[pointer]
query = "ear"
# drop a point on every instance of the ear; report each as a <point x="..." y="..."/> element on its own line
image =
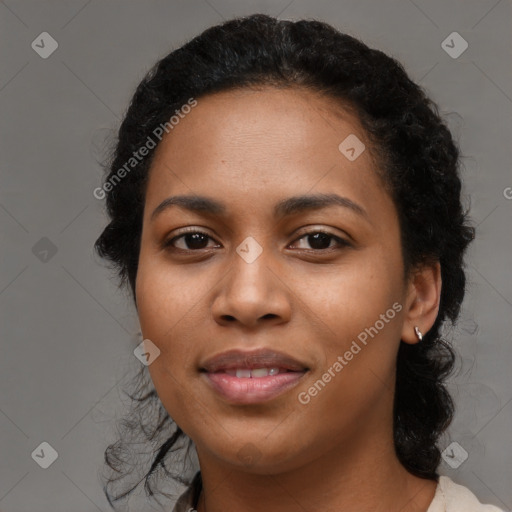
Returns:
<point x="422" y="303"/>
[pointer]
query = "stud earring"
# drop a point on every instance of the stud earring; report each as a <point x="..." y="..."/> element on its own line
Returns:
<point x="418" y="333"/>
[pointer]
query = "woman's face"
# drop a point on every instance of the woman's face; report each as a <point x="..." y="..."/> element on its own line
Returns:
<point x="312" y="322"/>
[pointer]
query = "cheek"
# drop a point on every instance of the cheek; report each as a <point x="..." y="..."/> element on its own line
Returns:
<point x="358" y="307"/>
<point x="166" y="297"/>
<point x="352" y="295"/>
<point x="185" y="408"/>
<point x="166" y="313"/>
<point x="168" y="306"/>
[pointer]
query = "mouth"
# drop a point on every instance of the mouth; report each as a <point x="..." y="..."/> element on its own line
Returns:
<point x="249" y="377"/>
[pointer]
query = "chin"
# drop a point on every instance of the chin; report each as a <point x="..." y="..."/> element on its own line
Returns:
<point x="257" y="455"/>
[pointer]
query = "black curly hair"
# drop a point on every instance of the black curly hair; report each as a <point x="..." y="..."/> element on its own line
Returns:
<point x="419" y="163"/>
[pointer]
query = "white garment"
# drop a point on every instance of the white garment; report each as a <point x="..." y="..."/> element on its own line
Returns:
<point x="449" y="497"/>
<point x="452" y="497"/>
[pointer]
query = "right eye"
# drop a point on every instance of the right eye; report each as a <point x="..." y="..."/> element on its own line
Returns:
<point x="190" y="241"/>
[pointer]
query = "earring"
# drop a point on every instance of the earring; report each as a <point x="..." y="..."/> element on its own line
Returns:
<point x="418" y="333"/>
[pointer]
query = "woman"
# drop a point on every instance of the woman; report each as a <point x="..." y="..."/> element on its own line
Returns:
<point x="285" y="206"/>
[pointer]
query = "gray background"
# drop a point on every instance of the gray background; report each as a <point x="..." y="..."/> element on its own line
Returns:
<point x="68" y="333"/>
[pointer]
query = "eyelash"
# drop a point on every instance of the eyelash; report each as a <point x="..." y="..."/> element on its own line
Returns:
<point x="168" y="244"/>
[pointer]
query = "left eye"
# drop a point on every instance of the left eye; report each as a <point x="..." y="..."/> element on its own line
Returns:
<point x="319" y="240"/>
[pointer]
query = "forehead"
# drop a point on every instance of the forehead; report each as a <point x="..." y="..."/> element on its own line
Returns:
<point x="277" y="117"/>
<point x="261" y="144"/>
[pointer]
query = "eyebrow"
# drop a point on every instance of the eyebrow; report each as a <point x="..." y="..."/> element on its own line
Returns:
<point x="284" y="208"/>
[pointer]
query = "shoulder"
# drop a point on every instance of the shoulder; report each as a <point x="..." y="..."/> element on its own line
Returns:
<point x="452" y="497"/>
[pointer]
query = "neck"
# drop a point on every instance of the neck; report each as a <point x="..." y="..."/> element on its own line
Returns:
<point x="366" y="478"/>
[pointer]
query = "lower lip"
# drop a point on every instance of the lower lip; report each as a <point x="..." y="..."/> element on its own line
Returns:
<point x="253" y="390"/>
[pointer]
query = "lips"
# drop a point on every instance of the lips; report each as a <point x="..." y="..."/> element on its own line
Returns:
<point x="245" y="377"/>
<point x="250" y="360"/>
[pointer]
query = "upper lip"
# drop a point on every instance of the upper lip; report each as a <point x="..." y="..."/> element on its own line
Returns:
<point x="261" y="358"/>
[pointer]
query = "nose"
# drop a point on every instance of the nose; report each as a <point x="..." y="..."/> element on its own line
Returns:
<point x="252" y="294"/>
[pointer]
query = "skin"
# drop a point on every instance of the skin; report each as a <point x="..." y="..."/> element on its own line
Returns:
<point x="250" y="149"/>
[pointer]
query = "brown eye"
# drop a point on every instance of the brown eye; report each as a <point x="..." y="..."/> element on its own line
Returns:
<point x="189" y="241"/>
<point x="320" y="240"/>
